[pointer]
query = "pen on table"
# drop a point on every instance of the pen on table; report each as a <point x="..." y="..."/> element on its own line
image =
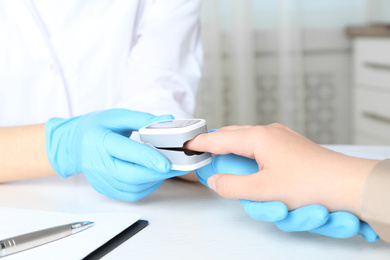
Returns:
<point x="26" y="241"/>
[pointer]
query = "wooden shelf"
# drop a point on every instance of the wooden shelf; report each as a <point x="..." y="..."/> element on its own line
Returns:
<point x="376" y="30"/>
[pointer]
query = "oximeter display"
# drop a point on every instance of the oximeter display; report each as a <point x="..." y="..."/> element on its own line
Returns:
<point x="173" y="124"/>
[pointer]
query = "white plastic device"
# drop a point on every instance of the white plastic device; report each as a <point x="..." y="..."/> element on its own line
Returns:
<point x="169" y="138"/>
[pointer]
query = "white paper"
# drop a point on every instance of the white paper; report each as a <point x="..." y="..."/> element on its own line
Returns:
<point x="19" y="221"/>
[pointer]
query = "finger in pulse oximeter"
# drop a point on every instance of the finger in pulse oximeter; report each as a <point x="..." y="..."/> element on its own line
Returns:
<point x="169" y="138"/>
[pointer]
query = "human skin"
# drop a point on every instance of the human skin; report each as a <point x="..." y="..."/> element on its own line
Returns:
<point x="23" y="154"/>
<point x="292" y="169"/>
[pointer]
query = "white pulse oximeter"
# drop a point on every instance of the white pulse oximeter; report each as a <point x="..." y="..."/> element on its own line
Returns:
<point x="169" y="138"/>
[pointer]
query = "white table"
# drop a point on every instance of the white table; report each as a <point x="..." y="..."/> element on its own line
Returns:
<point x="187" y="221"/>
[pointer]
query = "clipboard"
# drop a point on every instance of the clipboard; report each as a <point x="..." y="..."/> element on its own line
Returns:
<point x="110" y="230"/>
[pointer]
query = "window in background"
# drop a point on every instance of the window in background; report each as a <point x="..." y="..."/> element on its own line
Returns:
<point x="284" y="61"/>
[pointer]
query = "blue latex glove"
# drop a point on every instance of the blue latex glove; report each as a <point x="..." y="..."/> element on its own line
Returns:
<point x="97" y="145"/>
<point x="314" y="218"/>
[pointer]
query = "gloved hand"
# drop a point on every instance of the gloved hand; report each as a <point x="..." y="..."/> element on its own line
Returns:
<point x="314" y="218"/>
<point x="98" y="145"/>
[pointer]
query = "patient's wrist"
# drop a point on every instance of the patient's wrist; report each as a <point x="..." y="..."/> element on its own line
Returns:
<point x="189" y="177"/>
<point x="352" y="176"/>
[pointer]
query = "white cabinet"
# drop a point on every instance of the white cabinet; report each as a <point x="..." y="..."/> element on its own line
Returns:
<point x="371" y="70"/>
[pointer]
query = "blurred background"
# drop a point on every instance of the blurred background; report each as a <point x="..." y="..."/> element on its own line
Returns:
<point x="287" y="61"/>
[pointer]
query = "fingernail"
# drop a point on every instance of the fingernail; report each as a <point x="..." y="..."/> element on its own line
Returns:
<point x="211" y="183"/>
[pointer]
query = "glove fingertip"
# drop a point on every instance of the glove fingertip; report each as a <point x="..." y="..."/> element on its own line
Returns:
<point x="321" y="213"/>
<point x="304" y="219"/>
<point x="265" y="211"/>
<point x="162" y="165"/>
<point x="371" y="238"/>
<point x="340" y="225"/>
<point x="156" y="161"/>
<point x="204" y="173"/>
<point x="368" y="233"/>
<point x="281" y="209"/>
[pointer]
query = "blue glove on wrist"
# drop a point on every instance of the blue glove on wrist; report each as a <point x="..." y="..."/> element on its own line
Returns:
<point x="314" y="218"/>
<point x="98" y="145"/>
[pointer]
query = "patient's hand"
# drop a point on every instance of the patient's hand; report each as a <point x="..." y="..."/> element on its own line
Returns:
<point x="293" y="169"/>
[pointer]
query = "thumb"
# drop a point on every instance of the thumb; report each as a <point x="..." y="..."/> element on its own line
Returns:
<point x="236" y="186"/>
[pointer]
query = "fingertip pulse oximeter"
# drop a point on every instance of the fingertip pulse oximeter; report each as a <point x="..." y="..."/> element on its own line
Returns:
<point x="169" y="138"/>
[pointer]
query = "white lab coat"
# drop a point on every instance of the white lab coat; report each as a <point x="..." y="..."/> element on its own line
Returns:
<point x="69" y="57"/>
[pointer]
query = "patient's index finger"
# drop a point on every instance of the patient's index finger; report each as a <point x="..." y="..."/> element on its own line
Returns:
<point x="224" y="142"/>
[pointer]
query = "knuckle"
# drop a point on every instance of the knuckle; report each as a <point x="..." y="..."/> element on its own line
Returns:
<point x="258" y="128"/>
<point x="279" y="125"/>
<point x="279" y="128"/>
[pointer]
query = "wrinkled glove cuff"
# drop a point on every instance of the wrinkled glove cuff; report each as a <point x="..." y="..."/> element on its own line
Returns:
<point x="57" y="134"/>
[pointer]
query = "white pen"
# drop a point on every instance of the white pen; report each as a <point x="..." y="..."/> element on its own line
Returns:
<point x="26" y="241"/>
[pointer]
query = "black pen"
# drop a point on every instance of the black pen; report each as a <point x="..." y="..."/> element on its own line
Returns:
<point x="26" y="241"/>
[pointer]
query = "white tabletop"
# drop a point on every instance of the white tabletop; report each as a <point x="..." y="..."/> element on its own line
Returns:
<point x="187" y="221"/>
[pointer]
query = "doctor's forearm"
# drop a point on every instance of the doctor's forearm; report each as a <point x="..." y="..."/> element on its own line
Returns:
<point x="23" y="153"/>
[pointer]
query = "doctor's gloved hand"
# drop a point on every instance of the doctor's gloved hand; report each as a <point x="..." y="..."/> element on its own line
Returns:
<point x="98" y="145"/>
<point x="312" y="218"/>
